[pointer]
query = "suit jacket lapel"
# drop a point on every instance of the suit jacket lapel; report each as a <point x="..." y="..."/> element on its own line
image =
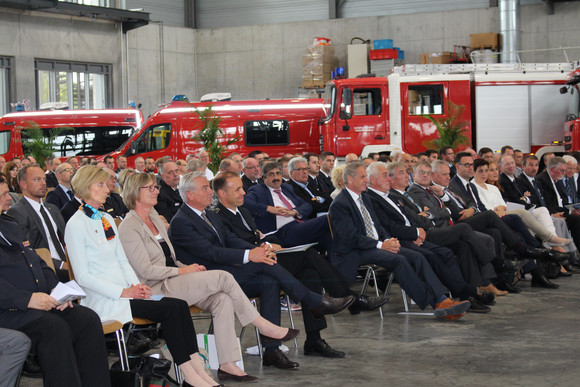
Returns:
<point x="36" y="218"/>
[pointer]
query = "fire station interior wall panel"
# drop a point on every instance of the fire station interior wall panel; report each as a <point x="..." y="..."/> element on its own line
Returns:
<point x="502" y="117"/>
<point x="229" y="13"/>
<point x="170" y="12"/>
<point x="548" y="110"/>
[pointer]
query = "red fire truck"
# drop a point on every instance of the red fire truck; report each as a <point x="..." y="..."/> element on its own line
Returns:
<point x="572" y="125"/>
<point x="88" y="132"/>
<point x="273" y="126"/>
<point x="515" y="104"/>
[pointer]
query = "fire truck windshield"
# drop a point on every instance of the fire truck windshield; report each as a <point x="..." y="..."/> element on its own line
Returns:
<point x="574" y="106"/>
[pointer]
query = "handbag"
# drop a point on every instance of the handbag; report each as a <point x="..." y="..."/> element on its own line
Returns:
<point x="144" y="371"/>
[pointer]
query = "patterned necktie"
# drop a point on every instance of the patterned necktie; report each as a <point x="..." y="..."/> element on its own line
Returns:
<point x="439" y="202"/>
<point x="286" y="202"/>
<point x="406" y="194"/>
<point x="204" y="216"/>
<point x="366" y="218"/>
<point x="540" y="197"/>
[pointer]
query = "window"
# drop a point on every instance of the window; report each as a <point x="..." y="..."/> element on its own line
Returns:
<point x="87" y="140"/>
<point x="366" y="102"/>
<point x="98" y="3"/>
<point x="5" y="69"/>
<point x="4" y="142"/>
<point x="272" y="132"/>
<point x="153" y="138"/>
<point x="72" y="85"/>
<point x="425" y="99"/>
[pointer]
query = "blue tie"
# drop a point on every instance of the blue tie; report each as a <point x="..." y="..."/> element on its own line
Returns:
<point x="542" y="201"/>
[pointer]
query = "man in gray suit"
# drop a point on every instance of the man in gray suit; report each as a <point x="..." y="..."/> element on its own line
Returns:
<point x="15" y="346"/>
<point x="41" y="222"/>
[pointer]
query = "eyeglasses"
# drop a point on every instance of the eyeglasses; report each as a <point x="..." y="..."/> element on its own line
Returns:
<point x="151" y="188"/>
<point x="467" y="165"/>
<point x="67" y="170"/>
<point x="428" y="173"/>
<point x="301" y="169"/>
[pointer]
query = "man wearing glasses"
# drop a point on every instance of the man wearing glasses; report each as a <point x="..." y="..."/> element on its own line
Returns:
<point x="306" y="188"/>
<point x="63" y="192"/>
<point x="252" y="173"/>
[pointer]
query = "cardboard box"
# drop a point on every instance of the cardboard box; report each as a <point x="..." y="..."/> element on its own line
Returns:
<point x="444" y="57"/>
<point x="487" y="40"/>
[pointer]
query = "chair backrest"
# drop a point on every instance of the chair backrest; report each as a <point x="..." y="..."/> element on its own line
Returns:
<point x="44" y="253"/>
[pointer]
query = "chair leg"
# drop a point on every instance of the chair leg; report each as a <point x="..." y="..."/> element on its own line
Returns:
<point x="258" y="333"/>
<point x="405" y="301"/>
<point x="123" y="357"/>
<point x="374" y="275"/>
<point x="178" y="374"/>
<point x="291" y="318"/>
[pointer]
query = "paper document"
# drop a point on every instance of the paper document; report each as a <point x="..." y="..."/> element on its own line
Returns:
<point x="296" y="249"/>
<point x="69" y="291"/>
<point x="572" y="207"/>
<point x="510" y="206"/>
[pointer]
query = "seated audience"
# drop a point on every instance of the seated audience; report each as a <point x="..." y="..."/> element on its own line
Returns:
<point x="306" y="188"/>
<point x="169" y="200"/>
<point x="326" y="164"/>
<point x="113" y="289"/>
<point x="337" y="182"/>
<point x="252" y="173"/>
<point x="68" y="338"/>
<point x="146" y="243"/>
<point x="51" y="164"/>
<point x="114" y="205"/>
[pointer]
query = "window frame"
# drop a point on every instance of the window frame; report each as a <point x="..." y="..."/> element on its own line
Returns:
<point x="6" y="64"/>
<point x="285" y="126"/>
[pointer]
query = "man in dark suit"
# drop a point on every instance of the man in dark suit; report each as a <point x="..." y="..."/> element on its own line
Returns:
<point x="68" y="339"/>
<point x="306" y="189"/>
<point x="570" y="179"/>
<point x="63" y="193"/>
<point x="307" y="266"/>
<point x="441" y="259"/>
<point x="507" y="179"/>
<point x="42" y="224"/>
<point x="360" y="239"/>
<point x="114" y="204"/>
<point x="326" y="165"/>
<point x="169" y="201"/>
<point x="199" y="236"/>
<point x="553" y="193"/>
<point x="448" y="155"/>
<point x="252" y="173"/>
<point x="51" y="164"/>
<point x="277" y="209"/>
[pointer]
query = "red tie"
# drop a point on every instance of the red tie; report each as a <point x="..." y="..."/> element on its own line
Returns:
<point x="285" y="201"/>
<point x="440" y="202"/>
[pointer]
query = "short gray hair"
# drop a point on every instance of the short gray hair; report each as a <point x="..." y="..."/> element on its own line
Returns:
<point x="295" y="160"/>
<point x="188" y="184"/>
<point x="437" y="165"/>
<point x="395" y="164"/>
<point x="193" y="164"/>
<point x="567" y="159"/>
<point x="373" y="168"/>
<point x="424" y="163"/>
<point x="555" y="161"/>
<point x="245" y="161"/>
<point x="350" y="170"/>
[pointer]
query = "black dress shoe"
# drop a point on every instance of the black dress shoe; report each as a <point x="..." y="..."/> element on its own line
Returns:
<point x="185" y="384"/>
<point x="330" y="305"/>
<point x="557" y="256"/>
<point x="537" y="252"/>
<point x="363" y="303"/>
<point x="291" y="334"/>
<point x="485" y="298"/>
<point x="571" y="269"/>
<point x="223" y="375"/>
<point x="476" y="307"/>
<point x="502" y="285"/>
<point x="277" y="359"/>
<point x="565" y="274"/>
<point x="321" y="348"/>
<point x="31" y="368"/>
<point x="540" y="281"/>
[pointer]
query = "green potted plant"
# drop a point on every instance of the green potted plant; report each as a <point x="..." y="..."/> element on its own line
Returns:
<point x="451" y="129"/>
<point x="209" y="136"/>
<point x="37" y="142"/>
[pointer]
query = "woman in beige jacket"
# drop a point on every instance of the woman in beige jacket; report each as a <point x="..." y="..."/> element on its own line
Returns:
<point x="143" y="235"/>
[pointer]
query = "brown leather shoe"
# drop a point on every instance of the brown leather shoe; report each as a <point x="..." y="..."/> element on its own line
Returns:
<point x="223" y="375"/>
<point x="330" y="305"/>
<point x="277" y="359"/>
<point x="451" y="310"/>
<point x="492" y="289"/>
<point x="291" y="334"/>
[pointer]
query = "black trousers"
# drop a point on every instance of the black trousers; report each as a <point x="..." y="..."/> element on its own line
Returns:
<point x="444" y="264"/>
<point x="175" y="319"/>
<point x="315" y="273"/>
<point x="71" y="348"/>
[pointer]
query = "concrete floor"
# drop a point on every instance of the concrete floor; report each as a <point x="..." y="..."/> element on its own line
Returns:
<point x="530" y="339"/>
